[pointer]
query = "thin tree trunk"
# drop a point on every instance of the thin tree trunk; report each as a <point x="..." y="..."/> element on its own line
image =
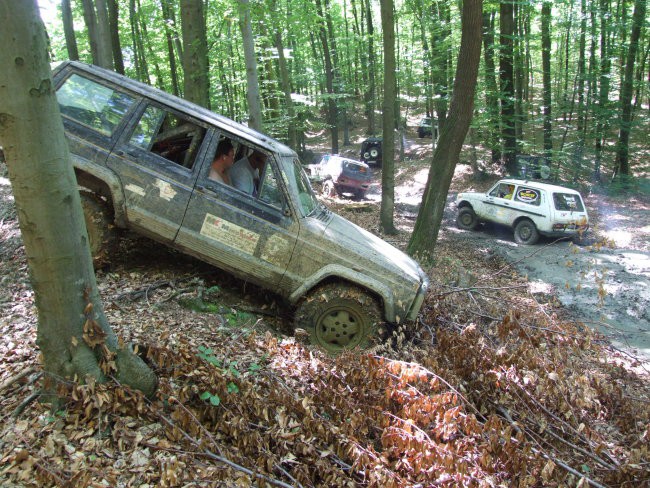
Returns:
<point x="445" y="157"/>
<point x="546" y="77"/>
<point x="195" y="53"/>
<point x="286" y="89"/>
<point x="622" y="150"/>
<point x="332" y="106"/>
<point x="171" y="35"/>
<point x="68" y="29"/>
<point x="253" y="92"/>
<point x="491" y="90"/>
<point x="506" y="79"/>
<point x="50" y="215"/>
<point x="370" y="92"/>
<point x="114" y="29"/>
<point x="388" y="121"/>
<point x="104" y="47"/>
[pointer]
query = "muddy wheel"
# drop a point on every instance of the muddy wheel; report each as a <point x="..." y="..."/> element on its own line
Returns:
<point x="466" y="219"/>
<point x="338" y="317"/>
<point x="99" y="224"/>
<point x="329" y="190"/>
<point x="526" y="232"/>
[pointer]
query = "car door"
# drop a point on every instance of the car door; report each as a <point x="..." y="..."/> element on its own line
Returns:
<point x="252" y="237"/>
<point x="499" y="206"/>
<point x="155" y="159"/>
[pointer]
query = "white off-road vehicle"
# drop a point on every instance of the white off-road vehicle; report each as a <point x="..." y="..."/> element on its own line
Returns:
<point x="530" y="208"/>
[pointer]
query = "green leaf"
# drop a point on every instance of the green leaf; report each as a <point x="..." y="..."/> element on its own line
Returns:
<point x="215" y="400"/>
<point x="232" y="388"/>
<point x="205" y="395"/>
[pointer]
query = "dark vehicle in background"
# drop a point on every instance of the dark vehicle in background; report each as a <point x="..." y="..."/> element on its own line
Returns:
<point x="142" y="160"/>
<point x="428" y="127"/>
<point x="340" y="175"/>
<point x="371" y="151"/>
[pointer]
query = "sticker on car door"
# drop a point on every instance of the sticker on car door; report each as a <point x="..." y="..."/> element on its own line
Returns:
<point x="229" y="234"/>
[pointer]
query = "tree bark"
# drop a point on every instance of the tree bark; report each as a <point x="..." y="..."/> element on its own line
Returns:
<point x="253" y="92"/>
<point x="332" y="106"/>
<point x="622" y="149"/>
<point x="50" y="215"/>
<point x="445" y="157"/>
<point x="388" y="121"/>
<point x="491" y="91"/>
<point x="114" y="30"/>
<point x="195" y="53"/>
<point x="506" y="77"/>
<point x="546" y="79"/>
<point x="68" y="29"/>
<point x="371" y="89"/>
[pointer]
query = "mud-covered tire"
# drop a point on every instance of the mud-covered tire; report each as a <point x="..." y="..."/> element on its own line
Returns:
<point x="338" y="316"/>
<point x="466" y="219"/>
<point x="329" y="190"/>
<point x="526" y="232"/>
<point x="99" y="225"/>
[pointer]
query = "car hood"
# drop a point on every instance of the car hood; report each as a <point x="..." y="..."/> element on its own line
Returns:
<point x="369" y="246"/>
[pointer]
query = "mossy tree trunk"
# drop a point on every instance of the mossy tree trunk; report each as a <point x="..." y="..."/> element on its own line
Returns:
<point x="73" y="333"/>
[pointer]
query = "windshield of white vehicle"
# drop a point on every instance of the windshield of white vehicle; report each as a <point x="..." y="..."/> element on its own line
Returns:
<point x="298" y="185"/>
<point x="570" y="202"/>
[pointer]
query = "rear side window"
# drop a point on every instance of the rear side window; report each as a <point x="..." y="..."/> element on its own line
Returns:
<point x="94" y="105"/>
<point x="528" y="195"/>
<point x="568" y="202"/>
<point x="169" y="135"/>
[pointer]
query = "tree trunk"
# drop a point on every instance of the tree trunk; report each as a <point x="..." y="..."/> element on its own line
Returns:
<point x="50" y="215"/>
<point x="602" y="114"/>
<point x="286" y="89"/>
<point x="90" y="18"/>
<point x="195" y="53"/>
<point x="627" y="89"/>
<point x="114" y="29"/>
<point x="370" y="92"/>
<point x="171" y="36"/>
<point x="388" y="121"/>
<point x="453" y="134"/>
<point x="491" y="91"/>
<point x="68" y="29"/>
<point x="332" y="106"/>
<point x="253" y="92"/>
<point x="104" y="47"/>
<point x="506" y="78"/>
<point x="546" y="79"/>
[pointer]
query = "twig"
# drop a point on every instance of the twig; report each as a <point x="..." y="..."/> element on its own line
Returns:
<point x="23" y="405"/>
<point x="222" y="459"/>
<point x="17" y="377"/>
<point x="286" y="473"/>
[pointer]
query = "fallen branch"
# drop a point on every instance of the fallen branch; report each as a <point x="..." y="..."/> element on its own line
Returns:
<point x="17" y="377"/>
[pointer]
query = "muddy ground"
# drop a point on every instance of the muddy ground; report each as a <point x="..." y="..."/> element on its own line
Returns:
<point x="602" y="280"/>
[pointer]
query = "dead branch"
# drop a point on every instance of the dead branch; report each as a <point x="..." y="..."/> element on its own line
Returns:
<point x="17" y="377"/>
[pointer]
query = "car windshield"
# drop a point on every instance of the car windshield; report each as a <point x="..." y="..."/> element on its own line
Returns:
<point x="298" y="185"/>
<point x="354" y="167"/>
<point x="568" y="202"/>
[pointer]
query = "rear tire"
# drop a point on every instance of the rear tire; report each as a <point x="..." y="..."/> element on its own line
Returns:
<point x="339" y="317"/>
<point x="99" y="225"/>
<point x="329" y="190"/>
<point x="526" y="233"/>
<point x="466" y="219"/>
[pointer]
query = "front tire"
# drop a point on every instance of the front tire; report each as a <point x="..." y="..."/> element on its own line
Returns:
<point x="467" y="219"/>
<point x="526" y="233"/>
<point x="329" y="190"/>
<point x="99" y="225"/>
<point x="339" y="317"/>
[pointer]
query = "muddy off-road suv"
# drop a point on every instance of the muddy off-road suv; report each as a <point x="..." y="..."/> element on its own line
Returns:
<point x="530" y="208"/>
<point x="143" y="162"/>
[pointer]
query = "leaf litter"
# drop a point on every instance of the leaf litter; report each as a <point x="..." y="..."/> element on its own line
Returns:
<point x="492" y="386"/>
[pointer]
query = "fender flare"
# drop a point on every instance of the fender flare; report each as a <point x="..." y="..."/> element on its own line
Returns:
<point x="106" y="178"/>
<point x="340" y="272"/>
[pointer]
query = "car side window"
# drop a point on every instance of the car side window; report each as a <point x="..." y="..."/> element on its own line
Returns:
<point x="529" y="196"/>
<point x="92" y="104"/>
<point x="169" y="135"/>
<point x="503" y="190"/>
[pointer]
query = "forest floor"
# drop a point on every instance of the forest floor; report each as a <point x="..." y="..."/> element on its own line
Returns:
<point x="500" y="382"/>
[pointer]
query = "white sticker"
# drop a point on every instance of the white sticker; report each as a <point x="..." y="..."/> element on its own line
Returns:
<point x="166" y="190"/>
<point x="138" y="190"/>
<point x="229" y="234"/>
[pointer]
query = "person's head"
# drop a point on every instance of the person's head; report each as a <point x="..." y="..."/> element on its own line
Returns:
<point x="257" y="160"/>
<point x="225" y="153"/>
